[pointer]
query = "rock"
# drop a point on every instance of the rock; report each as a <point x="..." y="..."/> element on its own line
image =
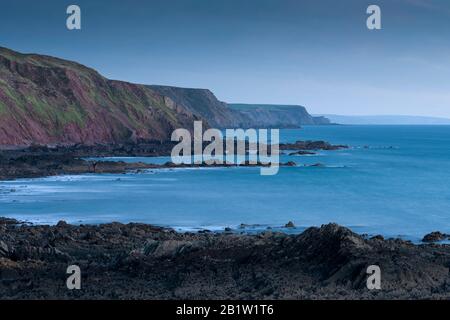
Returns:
<point x="61" y="224"/>
<point x="4" y="249"/>
<point x="310" y="145"/>
<point x="8" y="221"/>
<point x="137" y="261"/>
<point x="316" y="165"/>
<point x="290" y="224"/>
<point x="228" y="229"/>
<point x="168" y="248"/>
<point x="434" y="237"/>
<point x="150" y="246"/>
<point x="301" y="153"/>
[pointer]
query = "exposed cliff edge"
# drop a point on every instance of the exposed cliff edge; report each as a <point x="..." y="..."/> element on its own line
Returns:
<point x="46" y="100"/>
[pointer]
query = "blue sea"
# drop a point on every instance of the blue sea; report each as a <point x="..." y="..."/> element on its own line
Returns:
<point x="393" y="181"/>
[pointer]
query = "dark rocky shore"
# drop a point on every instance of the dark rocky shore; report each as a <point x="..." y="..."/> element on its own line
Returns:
<point x="35" y="166"/>
<point x="138" y="261"/>
<point x="311" y="145"/>
<point x="42" y="161"/>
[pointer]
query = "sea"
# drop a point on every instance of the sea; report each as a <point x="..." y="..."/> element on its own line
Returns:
<point x="392" y="180"/>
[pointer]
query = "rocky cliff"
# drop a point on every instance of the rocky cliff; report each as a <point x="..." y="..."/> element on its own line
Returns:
<point x="46" y="100"/>
<point x="276" y="116"/>
<point x="204" y="104"/>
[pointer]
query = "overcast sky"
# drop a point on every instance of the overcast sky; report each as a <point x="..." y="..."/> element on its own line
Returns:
<point x="317" y="53"/>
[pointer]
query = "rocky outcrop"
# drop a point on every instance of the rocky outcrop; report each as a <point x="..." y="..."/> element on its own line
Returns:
<point x="301" y="153"/>
<point x="435" y="236"/>
<point x="41" y="162"/>
<point x="138" y="261"/>
<point x="311" y="145"/>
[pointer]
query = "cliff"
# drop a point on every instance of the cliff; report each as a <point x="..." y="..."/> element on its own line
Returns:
<point x="276" y="116"/>
<point x="45" y="100"/>
<point x="50" y="101"/>
<point x="204" y="104"/>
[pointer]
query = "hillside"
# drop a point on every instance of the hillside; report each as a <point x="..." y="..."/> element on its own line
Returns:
<point x="280" y="116"/>
<point x="45" y="100"/>
<point x="50" y="101"/>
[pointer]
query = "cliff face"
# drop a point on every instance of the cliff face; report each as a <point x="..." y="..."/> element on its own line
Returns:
<point x="45" y="100"/>
<point x="204" y="104"/>
<point x="276" y="116"/>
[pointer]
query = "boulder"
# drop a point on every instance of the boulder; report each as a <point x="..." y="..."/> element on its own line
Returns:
<point x="61" y="224"/>
<point x="290" y="224"/>
<point x="435" y="237"/>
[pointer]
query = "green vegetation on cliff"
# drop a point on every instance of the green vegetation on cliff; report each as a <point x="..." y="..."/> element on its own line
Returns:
<point x="46" y="100"/>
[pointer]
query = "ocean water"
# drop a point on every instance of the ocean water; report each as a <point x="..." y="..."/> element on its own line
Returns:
<point x="394" y="181"/>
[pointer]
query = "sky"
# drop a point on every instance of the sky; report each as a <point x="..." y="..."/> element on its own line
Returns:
<point x="316" y="53"/>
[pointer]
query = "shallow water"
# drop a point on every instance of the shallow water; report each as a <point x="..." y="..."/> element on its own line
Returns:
<point x="394" y="181"/>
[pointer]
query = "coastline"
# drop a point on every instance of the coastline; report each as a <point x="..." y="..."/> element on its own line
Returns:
<point x="44" y="161"/>
<point x="143" y="261"/>
<point x="158" y="263"/>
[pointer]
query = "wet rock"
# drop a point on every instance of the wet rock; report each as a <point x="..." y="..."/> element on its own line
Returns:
<point x="290" y="224"/>
<point x="435" y="237"/>
<point x="168" y="248"/>
<point x="316" y="165"/>
<point x="311" y="145"/>
<point x="301" y="153"/>
<point x="137" y="261"/>
<point x="8" y="221"/>
<point x="61" y="224"/>
<point x="4" y="249"/>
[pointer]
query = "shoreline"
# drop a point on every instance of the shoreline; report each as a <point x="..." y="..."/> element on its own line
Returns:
<point x="328" y="262"/>
<point x="144" y="261"/>
<point x="44" y="161"/>
<point x="289" y="228"/>
<point x="76" y="166"/>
